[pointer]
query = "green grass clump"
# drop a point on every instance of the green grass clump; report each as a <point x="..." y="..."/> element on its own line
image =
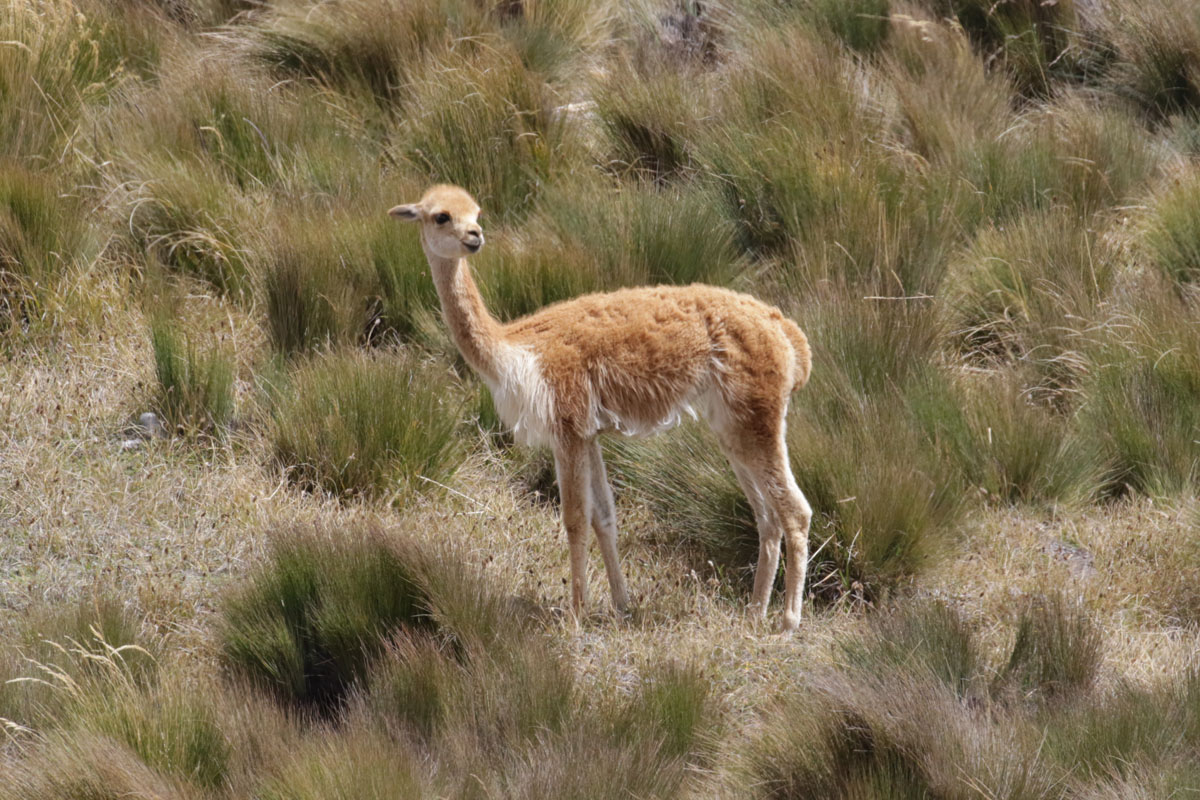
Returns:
<point x="43" y="235"/>
<point x="172" y="729"/>
<point x="1143" y="401"/>
<point x="1038" y="44"/>
<point x="315" y="295"/>
<point x="1015" y="448"/>
<point x="902" y="734"/>
<point x="884" y="520"/>
<point x="1027" y="291"/>
<point x="947" y="99"/>
<point x="1102" y="155"/>
<point x="377" y="49"/>
<point x="672" y="707"/>
<point x="650" y="116"/>
<point x="1132" y="734"/>
<point x="915" y="636"/>
<point x="248" y="129"/>
<point x="862" y="25"/>
<point x="792" y="125"/>
<point x="910" y="709"/>
<point x="687" y="482"/>
<point x="1057" y="651"/>
<point x="191" y="220"/>
<point x="195" y="389"/>
<point x="1173" y="237"/>
<point x="80" y="647"/>
<point x="1159" y="48"/>
<point x="333" y="278"/>
<point x="84" y="766"/>
<point x="359" y="764"/>
<point x="1146" y="412"/>
<point x="376" y="425"/>
<point x="832" y="212"/>
<point x="364" y="46"/>
<point x="60" y="57"/>
<point x="486" y="695"/>
<point x="308" y="624"/>
<point x="488" y="123"/>
<point x="1073" y="153"/>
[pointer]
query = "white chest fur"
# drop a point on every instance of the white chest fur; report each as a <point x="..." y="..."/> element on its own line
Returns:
<point x="522" y="397"/>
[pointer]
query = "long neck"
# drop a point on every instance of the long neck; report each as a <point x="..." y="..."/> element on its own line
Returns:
<point x="473" y="329"/>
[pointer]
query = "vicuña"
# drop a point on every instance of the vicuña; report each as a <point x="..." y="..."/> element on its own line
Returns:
<point x="632" y="361"/>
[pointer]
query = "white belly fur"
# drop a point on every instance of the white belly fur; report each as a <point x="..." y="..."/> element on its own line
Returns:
<point x="525" y="403"/>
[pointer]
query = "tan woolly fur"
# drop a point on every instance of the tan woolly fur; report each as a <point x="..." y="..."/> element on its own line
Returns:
<point x="633" y="361"/>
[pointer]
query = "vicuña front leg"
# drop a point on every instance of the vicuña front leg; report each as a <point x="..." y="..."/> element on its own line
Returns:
<point x="604" y="522"/>
<point x="572" y="464"/>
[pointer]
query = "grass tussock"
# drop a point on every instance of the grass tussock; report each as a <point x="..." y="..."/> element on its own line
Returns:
<point x="485" y="121"/>
<point x="252" y="131"/>
<point x="61" y="654"/>
<point x="911" y="708"/>
<point x="1019" y="449"/>
<point x="44" y="238"/>
<point x="651" y="116"/>
<point x="419" y="659"/>
<point x="359" y="425"/>
<point x="1173" y="235"/>
<point x="1038" y="46"/>
<point x="1028" y="291"/>
<point x="191" y="221"/>
<point x="359" y="764"/>
<point x="60" y="57"/>
<point x="335" y="279"/>
<point x="947" y="101"/>
<point x="1142" y="400"/>
<point x="516" y="723"/>
<point x="306" y="627"/>
<point x="194" y="392"/>
<point x="365" y="46"/>
<point x="377" y="49"/>
<point x="1159" y="66"/>
<point x="1056" y="652"/>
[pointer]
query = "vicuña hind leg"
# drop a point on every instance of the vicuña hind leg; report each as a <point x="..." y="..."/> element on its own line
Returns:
<point x="769" y="536"/>
<point x="794" y="510"/>
<point x="780" y="510"/>
<point x="572" y="465"/>
<point x="604" y="522"/>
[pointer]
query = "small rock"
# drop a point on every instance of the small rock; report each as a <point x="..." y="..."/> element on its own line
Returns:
<point x="1079" y="559"/>
<point x="151" y="427"/>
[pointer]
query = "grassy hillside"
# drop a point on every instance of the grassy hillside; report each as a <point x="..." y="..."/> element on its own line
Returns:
<point x="322" y="569"/>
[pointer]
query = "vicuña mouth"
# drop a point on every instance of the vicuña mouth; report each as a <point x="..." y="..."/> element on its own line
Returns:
<point x="474" y="248"/>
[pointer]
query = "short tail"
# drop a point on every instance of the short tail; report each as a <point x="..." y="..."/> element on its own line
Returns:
<point x="803" y="354"/>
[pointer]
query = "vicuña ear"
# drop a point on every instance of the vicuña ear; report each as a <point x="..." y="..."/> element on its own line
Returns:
<point x="407" y="212"/>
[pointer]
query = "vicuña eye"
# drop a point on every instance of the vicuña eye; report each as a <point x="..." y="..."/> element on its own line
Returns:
<point x="442" y="219"/>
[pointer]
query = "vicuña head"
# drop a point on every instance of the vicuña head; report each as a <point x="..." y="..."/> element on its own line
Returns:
<point x="634" y="362"/>
<point x="449" y="219"/>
